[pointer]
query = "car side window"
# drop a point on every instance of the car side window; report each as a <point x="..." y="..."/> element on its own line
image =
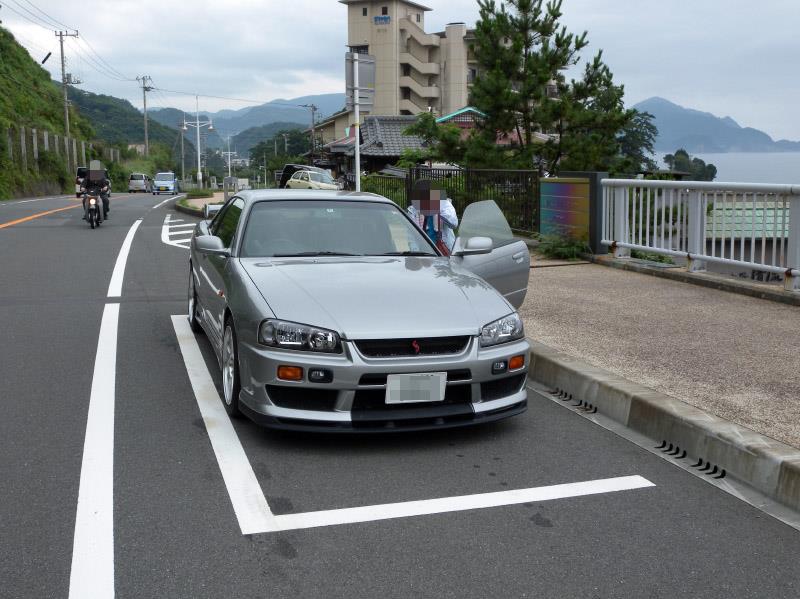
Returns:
<point x="225" y="225"/>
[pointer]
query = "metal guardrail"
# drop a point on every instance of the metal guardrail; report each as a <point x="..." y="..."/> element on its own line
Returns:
<point x="754" y="226"/>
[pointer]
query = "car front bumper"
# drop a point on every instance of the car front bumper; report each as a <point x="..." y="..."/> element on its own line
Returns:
<point x="354" y="400"/>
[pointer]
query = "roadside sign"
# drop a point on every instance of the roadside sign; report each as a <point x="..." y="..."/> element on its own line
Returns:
<point x="366" y="80"/>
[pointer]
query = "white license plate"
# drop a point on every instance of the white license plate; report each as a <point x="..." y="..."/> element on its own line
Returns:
<point x="415" y="388"/>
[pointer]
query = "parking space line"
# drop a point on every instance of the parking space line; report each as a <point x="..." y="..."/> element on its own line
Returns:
<point x="250" y="504"/>
<point x="245" y="493"/>
<point x="461" y="503"/>
<point x="115" y="286"/>
<point x="92" y="571"/>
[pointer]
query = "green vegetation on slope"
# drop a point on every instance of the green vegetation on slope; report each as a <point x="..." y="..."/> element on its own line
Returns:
<point x="29" y="97"/>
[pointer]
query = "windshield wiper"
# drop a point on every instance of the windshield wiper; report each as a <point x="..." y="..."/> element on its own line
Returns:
<point x="313" y="254"/>
<point x="428" y="254"/>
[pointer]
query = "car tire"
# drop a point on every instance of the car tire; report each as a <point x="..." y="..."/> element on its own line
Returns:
<point x="191" y="307"/>
<point x="230" y="370"/>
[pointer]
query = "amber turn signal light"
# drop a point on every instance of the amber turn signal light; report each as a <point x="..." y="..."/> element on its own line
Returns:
<point x="516" y="362"/>
<point x="290" y="373"/>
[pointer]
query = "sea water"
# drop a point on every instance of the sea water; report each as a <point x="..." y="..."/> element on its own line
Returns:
<point x="752" y="167"/>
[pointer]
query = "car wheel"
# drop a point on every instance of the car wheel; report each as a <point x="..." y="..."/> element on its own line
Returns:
<point x="192" y="307"/>
<point x="230" y="371"/>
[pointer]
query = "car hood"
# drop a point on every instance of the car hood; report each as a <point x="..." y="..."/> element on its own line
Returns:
<point x="377" y="297"/>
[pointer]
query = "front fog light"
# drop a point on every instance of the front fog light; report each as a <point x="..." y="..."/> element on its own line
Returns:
<point x="508" y="328"/>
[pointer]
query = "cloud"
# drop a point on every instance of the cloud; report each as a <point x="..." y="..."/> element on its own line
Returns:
<point x="729" y="57"/>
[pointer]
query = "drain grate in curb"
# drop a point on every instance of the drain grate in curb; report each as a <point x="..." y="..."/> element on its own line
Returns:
<point x="581" y="405"/>
<point x="704" y="466"/>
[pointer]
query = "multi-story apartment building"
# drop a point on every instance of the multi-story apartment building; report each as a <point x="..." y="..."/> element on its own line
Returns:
<point x="415" y="71"/>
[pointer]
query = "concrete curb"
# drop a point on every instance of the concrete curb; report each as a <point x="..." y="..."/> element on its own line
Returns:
<point x="769" y="466"/>
<point x="187" y="209"/>
<point x="757" y="290"/>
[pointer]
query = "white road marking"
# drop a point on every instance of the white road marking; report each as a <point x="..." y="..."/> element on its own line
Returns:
<point x="167" y="232"/>
<point x="246" y="495"/>
<point x="64" y="197"/>
<point x="92" y="573"/>
<point x="424" y="507"/>
<point x="115" y="287"/>
<point x="248" y="498"/>
<point x="165" y="201"/>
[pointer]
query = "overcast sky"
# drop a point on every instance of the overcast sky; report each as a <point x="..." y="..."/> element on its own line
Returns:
<point x="731" y="57"/>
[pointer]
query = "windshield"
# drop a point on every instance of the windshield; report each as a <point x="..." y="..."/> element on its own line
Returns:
<point x="137" y="177"/>
<point x="319" y="228"/>
<point x="321" y="177"/>
<point x="165" y="177"/>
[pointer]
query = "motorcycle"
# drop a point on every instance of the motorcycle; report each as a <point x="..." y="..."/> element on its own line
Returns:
<point x="93" y="208"/>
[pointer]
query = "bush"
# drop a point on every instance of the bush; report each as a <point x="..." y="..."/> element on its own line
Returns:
<point x="199" y="193"/>
<point x="563" y="248"/>
<point x="651" y="257"/>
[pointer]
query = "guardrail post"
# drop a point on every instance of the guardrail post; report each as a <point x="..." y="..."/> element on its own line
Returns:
<point x="791" y="282"/>
<point x="620" y="231"/>
<point x="696" y="233"/>
<point x="46" y="140"/>
<point x="10" y="142"/>
<point x="35" y="148"/>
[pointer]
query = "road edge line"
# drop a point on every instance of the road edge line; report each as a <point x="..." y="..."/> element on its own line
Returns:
<point x="767" y="465"/>
<point x="92" y="568"/>
<point x="246" y="495"/>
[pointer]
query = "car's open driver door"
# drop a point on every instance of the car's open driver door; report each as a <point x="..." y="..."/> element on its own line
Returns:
<point x="507" y="266"/>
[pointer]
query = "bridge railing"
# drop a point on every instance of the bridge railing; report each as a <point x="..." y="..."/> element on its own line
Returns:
<point x="752" y="226"/>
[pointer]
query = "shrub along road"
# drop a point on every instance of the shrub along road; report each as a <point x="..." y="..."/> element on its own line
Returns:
<point x="163" y="522"/>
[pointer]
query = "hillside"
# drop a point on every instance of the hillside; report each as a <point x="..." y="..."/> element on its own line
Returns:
<point x="29" y="97"/>
<point x="232" y="122"/>
<point x="247" y="139"/>
<point x="172" y="117"/>
<point x="697" y="131"/>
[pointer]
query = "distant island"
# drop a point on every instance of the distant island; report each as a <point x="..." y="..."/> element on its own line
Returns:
<point x="703" y="132"/>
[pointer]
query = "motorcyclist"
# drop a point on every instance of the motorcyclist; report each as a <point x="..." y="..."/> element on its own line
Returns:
<point x="97" y="181"/>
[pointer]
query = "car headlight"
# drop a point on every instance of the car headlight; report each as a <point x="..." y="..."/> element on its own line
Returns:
<point x="508" y="328"/>
<point x="291" y="335"/>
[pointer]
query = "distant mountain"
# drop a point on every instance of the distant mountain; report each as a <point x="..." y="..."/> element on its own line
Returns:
<point x="232" y="122"/>
<point x="247" y="139"/>
<point x="697" y="131"/>
<point x="117" y="121"/>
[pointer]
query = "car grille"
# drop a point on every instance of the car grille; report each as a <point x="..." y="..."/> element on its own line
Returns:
<point x="424" y="346"/>
<point x="302" y="398"/>
<point x="502" y="387"/>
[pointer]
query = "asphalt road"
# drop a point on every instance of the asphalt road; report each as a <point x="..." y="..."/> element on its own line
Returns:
<point x="172" y="527"/>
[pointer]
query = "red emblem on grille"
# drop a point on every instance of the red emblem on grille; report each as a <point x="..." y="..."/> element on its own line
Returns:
<point x="415" y="345"/>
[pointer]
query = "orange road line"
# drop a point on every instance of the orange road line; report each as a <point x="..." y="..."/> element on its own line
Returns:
<point x="33" y="216"/>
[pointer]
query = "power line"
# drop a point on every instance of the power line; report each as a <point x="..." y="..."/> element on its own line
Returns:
<point x="245" y="100"/>
<point x="36" y="19"/>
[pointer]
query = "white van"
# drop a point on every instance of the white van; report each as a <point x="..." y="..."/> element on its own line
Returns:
<point x="139" y="182"/>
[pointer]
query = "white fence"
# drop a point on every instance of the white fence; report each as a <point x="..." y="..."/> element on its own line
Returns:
<point x="737" y="224"/>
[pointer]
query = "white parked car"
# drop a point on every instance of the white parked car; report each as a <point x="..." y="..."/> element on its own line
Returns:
<point x="311" y="180"/>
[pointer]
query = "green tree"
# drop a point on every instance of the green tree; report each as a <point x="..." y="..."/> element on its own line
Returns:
<point x="637" y="145"/>
<point x="442" y="142"/>
<point x="697" y="168"/>
<point x="522" y="52"/>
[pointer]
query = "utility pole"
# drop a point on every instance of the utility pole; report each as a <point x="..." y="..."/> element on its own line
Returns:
<point x="145" y="89"/>
<point x="313" y="109"/>
<point x="229" y="154"/>
<point x="285" y="143"/>
<point x="66" y="79"/>
<point x="275" y="143"/>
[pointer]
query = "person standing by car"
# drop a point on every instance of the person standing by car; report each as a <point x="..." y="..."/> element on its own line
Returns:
<point x="435" y="214"/>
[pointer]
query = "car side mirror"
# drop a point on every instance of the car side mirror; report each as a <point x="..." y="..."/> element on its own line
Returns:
<point x="475" y="246"/>
<point x="210" y="244"/>
<point x="209" y="210"/>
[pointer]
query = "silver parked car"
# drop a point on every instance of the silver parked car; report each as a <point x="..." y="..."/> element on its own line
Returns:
<point x="332" y="311"/>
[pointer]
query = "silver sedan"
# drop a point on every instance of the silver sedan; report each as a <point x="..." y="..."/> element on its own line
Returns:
<point x="333" y="311"/>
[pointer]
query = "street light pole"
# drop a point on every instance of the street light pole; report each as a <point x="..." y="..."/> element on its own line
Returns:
<point x="197" y="126"/>
<point x="356" y="93"/>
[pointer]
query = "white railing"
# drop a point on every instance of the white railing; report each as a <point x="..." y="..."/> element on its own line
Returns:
<point x="754" y="226"/>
